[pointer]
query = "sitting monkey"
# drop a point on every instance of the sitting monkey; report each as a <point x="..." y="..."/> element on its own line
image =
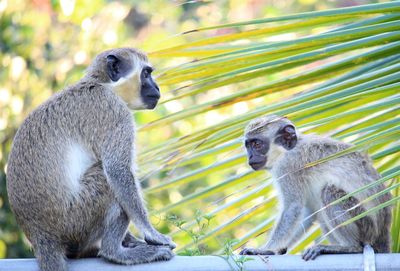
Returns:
<point x="274" y="143"/>
<point x="71" y="171"/>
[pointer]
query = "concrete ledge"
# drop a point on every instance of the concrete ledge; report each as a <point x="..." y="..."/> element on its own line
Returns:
<point x="384" y="262"/>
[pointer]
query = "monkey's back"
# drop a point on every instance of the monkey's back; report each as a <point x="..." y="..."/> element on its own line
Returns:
<point x="51" y="151"/>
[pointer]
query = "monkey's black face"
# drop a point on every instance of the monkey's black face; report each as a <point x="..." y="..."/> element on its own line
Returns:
<point x="257" y="149"/>
<point x="149" y="90"/>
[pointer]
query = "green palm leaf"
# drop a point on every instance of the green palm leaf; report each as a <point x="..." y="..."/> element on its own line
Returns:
<point x="338" y="75"/>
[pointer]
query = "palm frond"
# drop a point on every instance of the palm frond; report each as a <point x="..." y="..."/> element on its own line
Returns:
<point x="338" y="74"/>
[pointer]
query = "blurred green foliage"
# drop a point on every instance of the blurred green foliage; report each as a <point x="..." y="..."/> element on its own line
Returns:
<point x="45" y="45"/>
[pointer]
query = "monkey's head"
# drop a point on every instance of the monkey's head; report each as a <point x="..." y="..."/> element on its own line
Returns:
<point x="128" y="71"/>
<point x="267" y="139"/>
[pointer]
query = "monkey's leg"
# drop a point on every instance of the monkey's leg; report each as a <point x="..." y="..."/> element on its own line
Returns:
<point x="331" y="236"/>
<point x="111" y="248"/>
<point x="350" y="238"/>
<point x="49" y="254"/>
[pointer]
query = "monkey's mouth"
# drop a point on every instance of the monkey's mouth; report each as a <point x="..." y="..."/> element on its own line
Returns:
<point x="257" y="164"/>
<point x="151" y="103"/>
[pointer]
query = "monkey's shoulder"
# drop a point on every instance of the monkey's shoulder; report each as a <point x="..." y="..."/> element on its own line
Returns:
<point x="311" y="148"/>
<point x="83" y="99"/>
<point x="317" y="147"/>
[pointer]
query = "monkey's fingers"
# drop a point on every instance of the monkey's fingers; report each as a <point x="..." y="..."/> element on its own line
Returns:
<point x="132" y="244"/>
<point x="311" y="253"/>
<point x="159" y="239"/>
<point x="164" y="254"/>
<point x="256" y="251"/>
<point x="131" y="241"/>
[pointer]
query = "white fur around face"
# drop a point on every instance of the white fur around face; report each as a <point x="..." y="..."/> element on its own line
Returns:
<point x="128" y="87"/>
<point x="78" y="160"/>
<point x="274" y="154"/>
<point x="129" y="91"/>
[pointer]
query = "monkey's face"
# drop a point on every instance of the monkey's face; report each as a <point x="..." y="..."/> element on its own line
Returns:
<point x="267" y="139"/>
<point x="257" y="148"/>
<point x="149" y="90"/>
<point x="132" y="81"/>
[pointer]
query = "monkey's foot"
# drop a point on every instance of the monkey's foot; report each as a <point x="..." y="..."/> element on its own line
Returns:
<point x="139" y="254"/>
<point x="158" y="239"/>
<point x="164" y="253"/>
<point x="312" y="253"/>
<point x="256" y="251"/>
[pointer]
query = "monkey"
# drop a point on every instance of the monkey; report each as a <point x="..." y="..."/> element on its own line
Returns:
<point x="275" y="144"/>
<point x="71" y="171"/>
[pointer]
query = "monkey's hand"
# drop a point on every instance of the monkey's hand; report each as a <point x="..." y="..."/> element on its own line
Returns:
<point x="131" y="241"/>
<point x="261" y="251"/>
<point x="158" y="239"/>
<point x="312" y="253"/>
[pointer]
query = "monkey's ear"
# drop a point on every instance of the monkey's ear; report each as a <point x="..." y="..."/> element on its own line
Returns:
<point x="113" y="67"/>
<point x="287" y="137"/>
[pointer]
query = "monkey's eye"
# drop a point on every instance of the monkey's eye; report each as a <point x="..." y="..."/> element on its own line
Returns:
<point x="256" y="144"/>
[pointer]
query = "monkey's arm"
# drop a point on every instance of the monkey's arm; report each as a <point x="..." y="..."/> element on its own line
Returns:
<point x="288" y="222"/>
<point x="284" y="231"/>
<point x="304" y="225"/>
<point x="118" y="163"/>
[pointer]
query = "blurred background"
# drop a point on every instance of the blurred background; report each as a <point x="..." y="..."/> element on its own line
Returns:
<point x="47" y="44"/>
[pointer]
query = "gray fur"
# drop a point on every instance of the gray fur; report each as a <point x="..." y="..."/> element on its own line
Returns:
<point x="89" y="127"/>
<point x="303" y="190"/>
